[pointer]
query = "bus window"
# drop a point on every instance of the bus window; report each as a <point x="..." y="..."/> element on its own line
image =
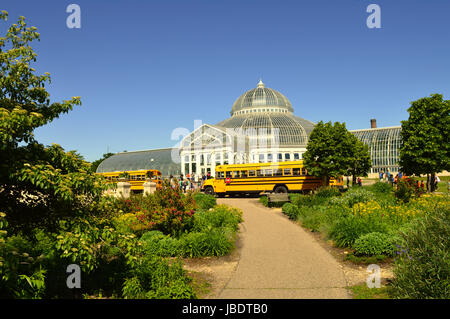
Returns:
<point x="228" y="174"/>
<point x="296" y="171"/>
<point x="133" y="177"/>
<point x="287" y="172"/>
<point x="244" y="174"/>
<point x="304" y="172"/>
<point x="219" y="175"/>
<point x="278" y="172"/>
<point x="235" y="174"/>
<point x="259" y="172"/>
<point x="268" y="172"/>
<point x="251" y="173"/>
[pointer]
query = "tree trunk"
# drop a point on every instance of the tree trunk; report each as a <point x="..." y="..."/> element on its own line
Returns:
<point x="353" y="180"/>
<point x="432" y="180"/>
<point x="428" y="183"/>
<point x="325" y="180"/>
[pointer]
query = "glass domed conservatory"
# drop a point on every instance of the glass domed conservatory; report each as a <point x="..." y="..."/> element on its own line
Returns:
<point x="262" y="128"/>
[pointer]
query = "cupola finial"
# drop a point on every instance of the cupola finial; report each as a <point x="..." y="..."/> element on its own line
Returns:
<point x="260" y="83"/>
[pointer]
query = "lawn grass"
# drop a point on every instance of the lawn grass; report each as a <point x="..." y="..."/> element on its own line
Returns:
<point x="363" y="292"/>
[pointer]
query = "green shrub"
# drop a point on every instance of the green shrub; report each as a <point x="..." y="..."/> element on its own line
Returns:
<point x="214" y="242"/>
<point x="156" y="278"/>
<point x="353" y="196"/>
<point x="381" y="188"/>
<point x="263" y="200"/>
<point x="156" y="243"/>
<point x="300" y="200"/>
<point x="291" y="211"/>
<point x="221" y="216"/>
<point x="422" y="267"/>
<point x="313" y="221"/>
<point x="405" y="190"/>
<point x="327" y="192"/>
<point x="212" y="235"/>
<point x="348" y="229"/>
<point x="376" y="244"/>
<point x="204" y="201"/>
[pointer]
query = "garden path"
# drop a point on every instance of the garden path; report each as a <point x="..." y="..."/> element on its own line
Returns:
<point x="279" y="259"/>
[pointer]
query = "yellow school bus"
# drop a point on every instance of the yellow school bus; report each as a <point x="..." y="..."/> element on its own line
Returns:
<point x="136" y="178"/>
<point x="280" y="177"/>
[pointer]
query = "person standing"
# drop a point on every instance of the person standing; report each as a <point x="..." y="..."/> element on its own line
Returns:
<point x="381" y="176"/>
<point x="436" y="181"/>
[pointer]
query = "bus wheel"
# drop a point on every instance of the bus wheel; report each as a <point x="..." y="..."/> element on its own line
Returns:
<point x="209" y="190"/>
<point x="280" y="189"/>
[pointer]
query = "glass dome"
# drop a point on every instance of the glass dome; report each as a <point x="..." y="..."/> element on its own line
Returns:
<point x="261" y="99"/>
<point x="268" y="112"/>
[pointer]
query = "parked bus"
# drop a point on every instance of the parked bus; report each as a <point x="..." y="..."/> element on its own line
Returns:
<point x="136" y="178"/>
<point x="255" y="178"/>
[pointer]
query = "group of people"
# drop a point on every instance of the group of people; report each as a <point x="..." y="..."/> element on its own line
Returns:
<point x="190" y="182"/>
<point x="389" y="177"/>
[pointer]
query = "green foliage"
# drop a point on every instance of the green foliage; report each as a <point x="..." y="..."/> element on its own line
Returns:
<point x="376" y="244"/>
<point x="158" y="244"/>
<point x="263" y="200"/>
<point x="381" y="188"/>
<point x="156" y="278"/>
<point x="213" y="234"/>
<point x="422" y="267"/>
<point x="221" y="216"/>
<point x="425" y="148"/>
<point x="39" y="185"/>
<point x="360" y="162"/>
<point x="327" y="192"/>
<point x="166" y="210"/>
<point x="213" y="242"/>
<point x="405" y="190"/>
<point x="330" y="151"/>
<point x="347" y="230"/>
<point x="353" y="196"/>
<point x="363" y="292"/>
<point x="204" y="201"/>
<point x="291" y="211"/>
<point x="21" y="275"/>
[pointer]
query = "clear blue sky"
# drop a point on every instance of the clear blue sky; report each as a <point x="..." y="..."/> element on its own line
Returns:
<point x="144" y="68"/>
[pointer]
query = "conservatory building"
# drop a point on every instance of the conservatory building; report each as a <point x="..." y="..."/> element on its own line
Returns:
<point x="262" y="128"/>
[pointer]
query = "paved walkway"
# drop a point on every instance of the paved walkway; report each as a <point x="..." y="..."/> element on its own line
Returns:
<point x="279" y="259"/>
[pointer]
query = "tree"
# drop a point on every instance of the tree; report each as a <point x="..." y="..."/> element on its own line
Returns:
<point x="38" y="185"/>
<point x="360" y="161"/>
<point x="329" y="152"/>
<point x="425" y="145"/>
<point x="96" y="163"/>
